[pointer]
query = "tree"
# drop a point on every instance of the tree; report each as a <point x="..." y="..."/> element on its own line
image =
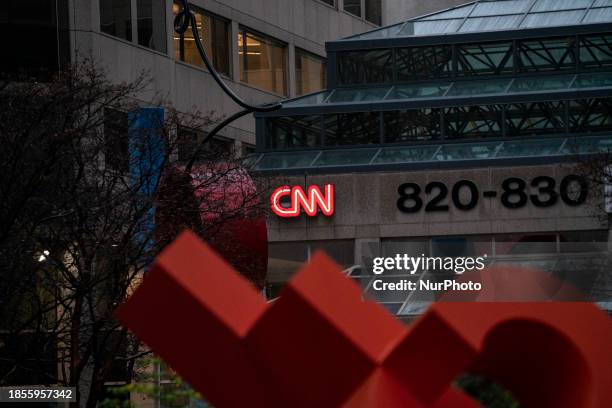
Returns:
<point x="77" y="221"/>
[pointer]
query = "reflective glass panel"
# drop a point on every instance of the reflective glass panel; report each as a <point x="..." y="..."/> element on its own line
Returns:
<point x="151" y="24"/>
<point x="313" y="99"/>
<point x="412" y="125"/>
<point x="588" y="145"/>
<point x="556" y="18"/>
<point x="553" y="5"/>
<point x="598" y="15"/>
<point x="353" y="7"/>
<point x="496" y="8"/>
<point x="583" y="241"/>
<point x="357" y="95"/>
<point x="595" y="80"/>
<point x="590" y="115"/>
<point x="405" y="154"/>
<point x="373" y="11"/>
<point x="547" y="55"/>
<point x="293" y="131"/>
<point x="414" y="307"/>
<point x="462" y="88"/>
<point x="490" y="23"/>
<point x="433" y="27"/>
<point x="423" y="62"/>
<point x="535" y="118"/>
<point x="461" y="11"/>
<point x="116" y="18"/>
<point x="410" y="91"/>
<point x="596" y="50"/>
<point x="602" y="3"/>
<point x="387" y="32"/>
<point x="263" y="62"/>
<point x="485" y="59"/>
<point x="286" y="160"/>
<point x="549" y="147"/>
<point x="365" y="67"/>
<point x="214" y="34"/>
<point x="352" y="128"/>
<point x="473" y="121"/>
<point x="467" y="151"/>
<point x="541" y="84"/>
<point x="310" y="72"/>
<point x="344" y="157"/>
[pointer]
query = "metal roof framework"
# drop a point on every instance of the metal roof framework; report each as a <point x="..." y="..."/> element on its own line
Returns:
<point x="542" y="58"/>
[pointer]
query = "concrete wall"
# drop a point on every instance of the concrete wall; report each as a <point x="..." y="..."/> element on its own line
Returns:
<point x="366" y="207"/>
<point x="306" y="24"/>
<point x="395" y="11"/>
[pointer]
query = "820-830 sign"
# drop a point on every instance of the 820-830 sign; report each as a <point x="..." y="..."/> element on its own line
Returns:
<point x="543" y="192"/>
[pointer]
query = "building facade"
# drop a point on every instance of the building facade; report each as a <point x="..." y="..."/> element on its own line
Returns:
<point x="265" y="49"/>
<point x="463" y="133"/>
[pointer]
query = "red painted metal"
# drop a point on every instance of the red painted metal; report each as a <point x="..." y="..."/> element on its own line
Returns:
<point x="320" y="345"/>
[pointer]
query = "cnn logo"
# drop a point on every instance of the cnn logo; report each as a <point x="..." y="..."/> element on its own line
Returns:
<point x="299" y="200"/>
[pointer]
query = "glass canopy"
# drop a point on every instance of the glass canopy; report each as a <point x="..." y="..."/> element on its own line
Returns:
<point x="432" y="154"/>
<point x="446" y="90"/>
<point x="487" y="15"/>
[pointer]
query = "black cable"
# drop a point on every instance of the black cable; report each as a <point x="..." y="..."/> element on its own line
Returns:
<point x="181" y="23"/>
<point x="216" y="130"/>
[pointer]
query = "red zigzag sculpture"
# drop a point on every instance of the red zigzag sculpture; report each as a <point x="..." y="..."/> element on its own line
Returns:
<point x="320" y="345"/>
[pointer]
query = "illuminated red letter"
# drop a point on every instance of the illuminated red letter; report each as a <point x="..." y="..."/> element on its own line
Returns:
<point x="310" y="203"/>
<point x="277" y="208"/>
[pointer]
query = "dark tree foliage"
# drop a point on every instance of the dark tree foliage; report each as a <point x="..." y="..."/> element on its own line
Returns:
<point x="76" y="230"/>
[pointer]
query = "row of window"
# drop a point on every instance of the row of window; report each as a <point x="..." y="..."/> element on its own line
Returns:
<point x="116" y="143"/>
<point x="371" y="10"/>
<point x="533" y="249"/>
<point x="263" y="60"/>
<point x="425" y="124"/>
<point x="463" y="60"/>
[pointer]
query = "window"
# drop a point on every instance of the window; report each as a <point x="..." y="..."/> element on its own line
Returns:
<point x="35" y="37"/>
<point x="214" y="34"/>
<point x="116" y="18"/>
<point x="423" y="62"/>
<point x="365" y="67"/>
<point x="263" y="62"/>
<point x="310" y="72"/>
<point x="285" y="258"/>
<point x="151" y="24"/>
<point x="473" y="121"/>
<point x="547" y="55"/>
<point x="352" y="128"/>
<point x="215" y="149"/>
<point x="247" y="149"/>
<point x="293" y="131"/>
<point x="371" y="10"/>
<point x="330" y="2"/>
<point x="535" y="118"/>
<point x="353" y="7"/>
<point x="116" y="129"/>
<point x="485" y="59"/>
<point x="412" y="125"/>
<point x="596" y="51"/>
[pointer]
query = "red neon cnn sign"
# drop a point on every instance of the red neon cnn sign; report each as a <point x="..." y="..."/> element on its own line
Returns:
<point x="310" y="203"/>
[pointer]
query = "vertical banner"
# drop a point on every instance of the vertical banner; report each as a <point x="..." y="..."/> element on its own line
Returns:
<point x="147" y="152"/>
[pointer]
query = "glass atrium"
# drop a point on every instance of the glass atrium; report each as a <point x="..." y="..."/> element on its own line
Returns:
<point x="523" y="81"/>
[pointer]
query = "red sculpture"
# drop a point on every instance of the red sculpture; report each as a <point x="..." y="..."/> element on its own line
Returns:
<point x="320" y="345"/>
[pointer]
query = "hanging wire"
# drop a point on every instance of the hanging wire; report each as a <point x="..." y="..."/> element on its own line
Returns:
<point x="182" y="21"/>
